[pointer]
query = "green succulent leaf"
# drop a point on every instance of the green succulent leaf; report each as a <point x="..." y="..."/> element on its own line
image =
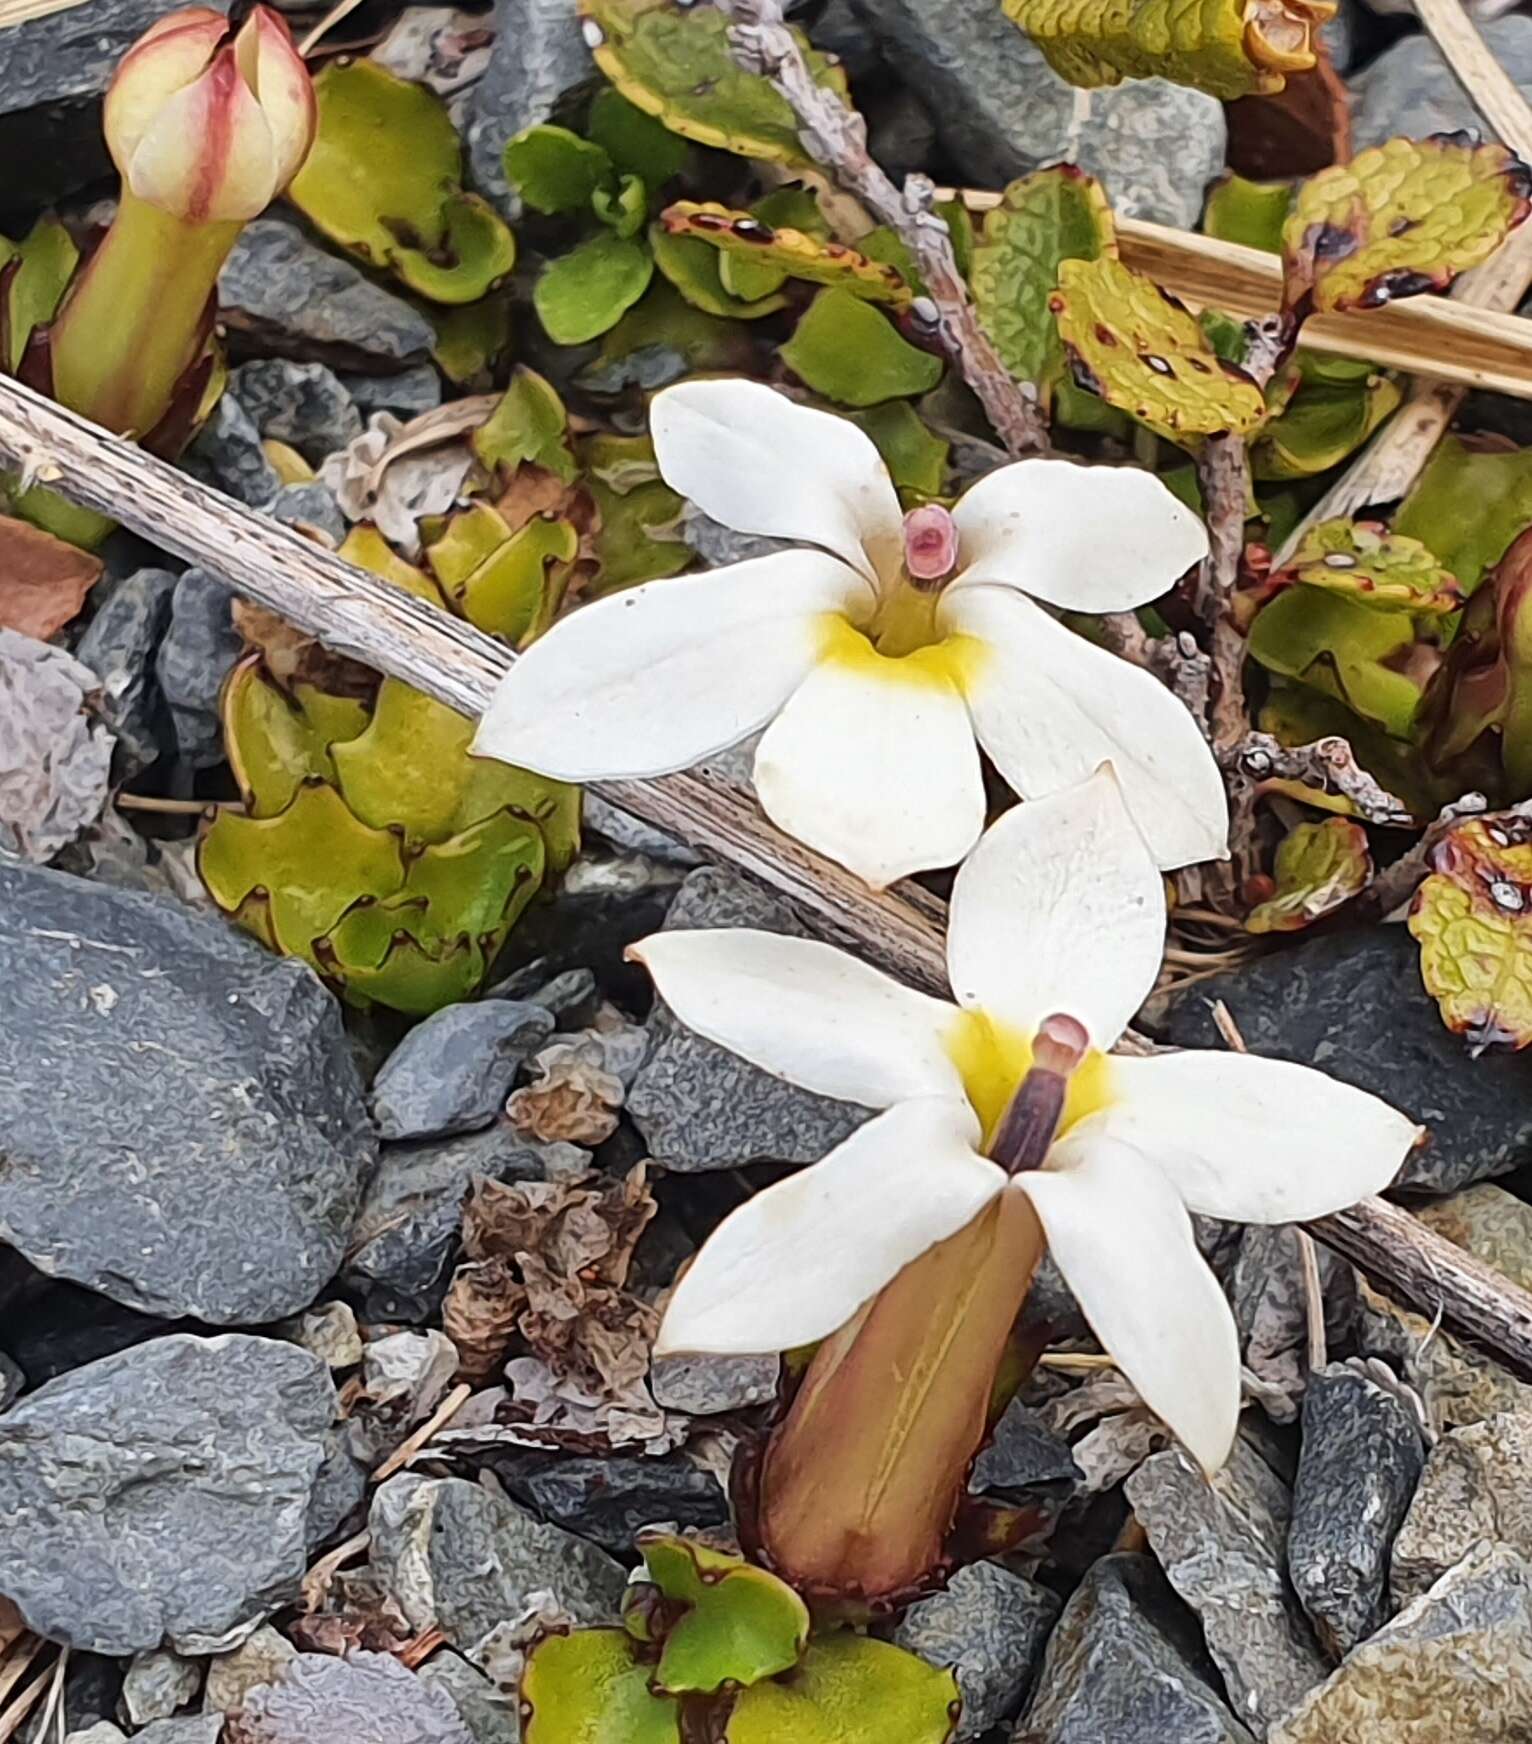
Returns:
<point x="624" y="210"/>
<point x="555" y="170"/>
<point x="366" y="547"/>
<point x="470" y="337"/>
<point x="1144" y="353"/>
<point x="637" y="534"/>
<point x="1319" y="868"/>
<point x="1323" y="423"/>
<point x="528" y="425"/>
<point x="1042" y="220"/>
<point x="1403" y="217"/>
<point x="384" y="179"/>
<point x="1251" y="213"/>
<point x="849" y="1689"/>
<point x="592" y="1687"/>
<point x="274" y="743"/>
<point x="637" y="144"/>
<point x="696" y="271"/>
<point x="672" y="60"/>
<point x="744" y="236"/>
<point x="584" y="293"/>
<point x="34" y="274"/>
<point x="516" y="591"/>
<point x="916" y="457"/>
<point x="850" y="352"/>
<point x="1376" y="568"/>
<point x="1469" y="505"/>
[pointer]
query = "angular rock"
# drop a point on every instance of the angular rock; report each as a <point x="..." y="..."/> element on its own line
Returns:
<point x="407" y="394"/>
<point x="1022" y="1456"/>
<point x="702" y="1386"/>
<point x="611" y="1498"/>
<point x="194" y="658"/>
<point x="207" y="1082"/>
<point x="55" y="757"/>
<point x="119" y="645"/>
<point x="339" y="1488"/>
<point x="1270" y="1304"/>
<point x="1001" y="111"/>
<point x="161" y="1495"/>
<point x="1319" y="1003"/>
<point x="307" y="505"/>
<point x="12" y="1380"/>
<point x="454" y="1555"/>
<point x="292" y="299"/>
<point x="408" y="1232"/>
<point x="453" y="1072"/>
<point x="103" y="1732"/>
<point x="365" y="1698"/>
<point x="1410" y="90"/>
<point x="1456" y="1664"/>
<point x="990" y="1626"/>
<point x="1222" y="1546"/>
<point x="231" y="1676"/>
<point x="157" y="1684"/>
<point x="1477" y="1484"/>
<point x="1360" y="1462"/>
<point x="184" y="1729"/>
<point x="699" y="1107"/>
<point x="1125" y="1663"/>
<point x="303" y="404"/>
<point x="227" y="454"/>
<point x="490" y="1715"/>
<point x="328" y="1332"/>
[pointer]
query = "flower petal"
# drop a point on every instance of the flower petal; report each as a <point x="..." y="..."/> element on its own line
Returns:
<point x="274" y="70"/>
<point x="1121" y="1236"/>
<point x="798" y="1260"/>
<point x="806" y="1012"/>
<point x="660" y="675"/>
<point x="1049" y="707"/>
<point x="1256" y="1140"/>
<point x="207" y="155"/>
<point x="875" y="768"/>
<point x="1060" y="908"/>
<point x="1088" y="538"/>
<point x="164" y="60"/>
<point x="760" y="463"/>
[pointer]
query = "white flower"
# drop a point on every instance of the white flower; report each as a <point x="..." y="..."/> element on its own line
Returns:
<point x="879" y="650"/>
<point x="1058" y="913"/>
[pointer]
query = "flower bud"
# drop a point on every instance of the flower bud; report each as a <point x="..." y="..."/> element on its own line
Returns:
<point x="930" y="545"/>
<point x="207" y="126"/>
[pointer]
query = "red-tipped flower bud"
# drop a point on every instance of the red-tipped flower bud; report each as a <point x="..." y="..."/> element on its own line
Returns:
<point x="207" y="126"/>
<point x="930" y="544"/>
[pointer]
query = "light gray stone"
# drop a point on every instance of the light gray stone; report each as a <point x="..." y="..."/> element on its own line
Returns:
<point x="1477" y="1484"/>
<point x="699" y="1107"/>
<point x="184" y="1729"/>
<point x="303" y="404"/>
<point x="453" y="1072"/>
<point x="702" y="1386"/>
<point x="207" y="1082"/>
<point x="231" y="1676"/>
<point x="103" y="1732"/>
<point x="365" y="1698"/>
<point x="328" y="1332"/>
<point x="158" y="1683"/>
<point x="1222" y="1545"/>
<point x="1361" y="1459"/>
<point x="990" y="1626"/>
<point x="161" y="1495"/>
<point x="119" y="645"/>
<point x="1410" y="90"/>
<point x="192" y="662"/>
<point x="489" y="1713"/>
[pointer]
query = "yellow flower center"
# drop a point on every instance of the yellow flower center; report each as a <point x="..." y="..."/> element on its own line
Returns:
<point x="902" y="644"/>
<point x="993" y="1060"/>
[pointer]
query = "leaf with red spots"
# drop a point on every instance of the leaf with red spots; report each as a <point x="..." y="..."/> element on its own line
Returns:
<point x="1319" y="867"/>
<point x="1374" y="567"/>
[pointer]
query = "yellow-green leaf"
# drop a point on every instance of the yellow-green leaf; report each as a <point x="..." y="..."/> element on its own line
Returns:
<point x="582" y="294"/>
<point x="1324" y="421"/>
<point x="1319" y="867"/>
<point x="851" y="352"/>
<point x="795" y="253"/>
<point x="275" y="744"/>
<point x="850" y="1689"/>
<point x="591" y="1687"/>
<point x="36" y="274"/>
<point x="529" y="424"/>
<point x="1251" y="213"/>
<point x="1469" y="505"/>
<point x="1403" y="217"/>
<point x="1374" y="567"/>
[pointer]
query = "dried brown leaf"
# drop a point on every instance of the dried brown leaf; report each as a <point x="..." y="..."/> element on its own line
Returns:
<point x="295" y="658"/>
<point x="480" y="1315"/>
<point x="43" y="580"/>
<point x="574" y="1097"/>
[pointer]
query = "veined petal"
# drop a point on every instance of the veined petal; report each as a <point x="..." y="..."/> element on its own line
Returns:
<point x="1121" y="1236"/>
<point x="1256" y="1140"/>
<point x="166" y="58"/>
<point x="1060" y="908"/>
<point x="1088" y="538"/>
<point x="208" y="155"/>
<point x="1049" y="707"/>
<point x="877" y="770"/>
<point x="798" y="1260"/>
<point x="806" y="1012"/>
<point x="656" y="677"/>
<point x="760" y="463"/>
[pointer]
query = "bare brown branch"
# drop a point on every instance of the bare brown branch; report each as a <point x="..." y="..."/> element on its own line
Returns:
<point x="1327" y="764"/>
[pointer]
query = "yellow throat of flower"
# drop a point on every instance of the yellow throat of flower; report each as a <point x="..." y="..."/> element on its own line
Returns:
<point x="993" y="1061"/>
<point x="902" y="644"/>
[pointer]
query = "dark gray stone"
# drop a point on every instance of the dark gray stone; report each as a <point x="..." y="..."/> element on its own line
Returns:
<point x="1125" y="1664"/>
<point x="119" y="646"/>
<point x="538" y="68"/>
<point x="227" y="454"/>
<point x="406" y="394"/>
<point x="407" y="1235"/>
<point x="365" y="1698"/>
<point x="1361" y="1460"/>
<point x="193" y="660"/>
<point x="1410" y="90"/>
<point x="990" y="1626"/>
<point x="1323" y="1004"/>
<point x="54" y="70"/>
<point x="12" y="1380"/>
<point x="310" y="504"/>
<point x="1001" y="111"/>
<point x="453" y="1072"/>
<point x="1266" y="1292"/>
<point x="302" y="404"/>
<point x="696" y="1105"/>
<point x="339" y="1488"/>
<point x="1024" y="1461"/>
<point x="1222" y="1546"/>
<point x="292" y="299"/>
<point x="207" y="1083"/>
<point x="610" y="1499"/>
<point x="452" y="1554"/>
<point x="161" y="1495"/>
<point x="489" y="1713"/>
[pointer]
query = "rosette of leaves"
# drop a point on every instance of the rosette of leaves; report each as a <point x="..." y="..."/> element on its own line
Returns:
<point x="1224" y="47"/>
<point x="372" y="845"/>
<point x="1327" y="408"/>
<point x="711" y="1647"/>
<point x="385" y="180"/>
<point x="1319" y="868"/>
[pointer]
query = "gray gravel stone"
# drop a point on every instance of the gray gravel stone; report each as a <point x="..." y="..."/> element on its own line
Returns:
<point x="365" y="1698"/>
<point x="1023" y="1457"/>
<point x="604" y="903"/>
<point x="1222" y="1545"/>
<point x="1477" y="1484"/>
<point x="158" y="1683"/>
<point x="990" y="1626"/>
<point x="699" y="1107"/>
<point x="207" y="1082"/>
<point x="1361" y="1459"/>
<point x="12" y="1380"/>
<point x="302" y="404"/>
<point x="290" y="297"/>
<point x="1409" y="89"/>
<point x="610" y="1498"/>
<point x="489" y="1714"/>
<point x="184" y="1729"/>
<point x="103" y="1732"/>
<point x="453" y="1072"/>
<point x="227" y="454"/>
<point x="258" y="1660"/>
<point x="1001" y="111"/>
<point x="1125" y="1665"/>
<point x="1270" y="1307"/>
<point x="454" y="1555"/>
<point x="193" y="659"/>
<point x="406" y="394"/>
<point x="702" y="1386"/>
<point x="1457" y="1664"/>
<point x="310" y="504"/>
<point x="1303" y="1004"/>
<point x="160" y="1495"/>
<point x="119" y="645"/>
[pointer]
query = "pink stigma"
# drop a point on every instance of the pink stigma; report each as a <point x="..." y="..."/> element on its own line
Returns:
<point x="930" y="544"/>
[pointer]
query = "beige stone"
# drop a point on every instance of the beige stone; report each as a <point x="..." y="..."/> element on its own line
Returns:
<point x="1477" y="1484"/>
